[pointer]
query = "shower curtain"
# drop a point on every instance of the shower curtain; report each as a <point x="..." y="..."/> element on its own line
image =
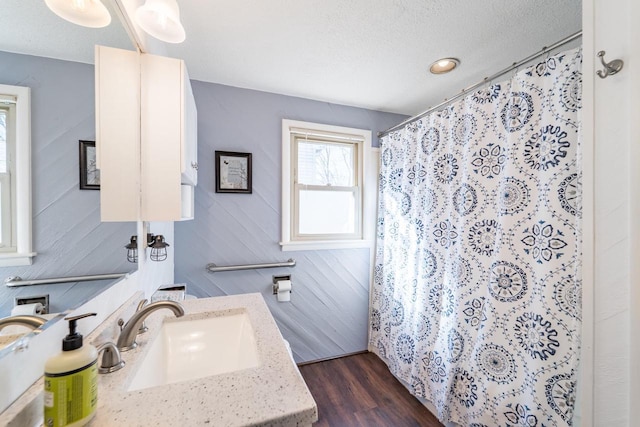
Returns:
<point x="477" y="293"/>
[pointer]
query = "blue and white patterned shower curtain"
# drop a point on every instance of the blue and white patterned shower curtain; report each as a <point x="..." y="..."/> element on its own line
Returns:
<point x="477" y="293"/>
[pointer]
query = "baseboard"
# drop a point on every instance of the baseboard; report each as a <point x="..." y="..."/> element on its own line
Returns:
<point x="311" y="362"/>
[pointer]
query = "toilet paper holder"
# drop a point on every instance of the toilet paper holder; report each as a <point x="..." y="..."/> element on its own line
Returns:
<point x="276" y="279"/>
<point x="42" y="299"/>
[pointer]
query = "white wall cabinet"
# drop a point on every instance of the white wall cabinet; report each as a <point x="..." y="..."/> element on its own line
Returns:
<point x="117" y="74"/>
<point x="146" y="137"/>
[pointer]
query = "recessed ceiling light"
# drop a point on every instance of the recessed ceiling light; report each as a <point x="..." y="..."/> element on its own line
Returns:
<point x="444" y="65"/>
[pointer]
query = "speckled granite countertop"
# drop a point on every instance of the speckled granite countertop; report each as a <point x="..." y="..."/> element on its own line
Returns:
<point x="272" y="394"/>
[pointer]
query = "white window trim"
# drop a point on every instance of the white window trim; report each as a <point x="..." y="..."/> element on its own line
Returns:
<point x="369" y="189"/>
<point x="7" y="197"/>
<point x="23" y="254"/>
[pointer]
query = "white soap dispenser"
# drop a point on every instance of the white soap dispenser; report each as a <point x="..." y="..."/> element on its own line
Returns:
<point x="71" y="381"/>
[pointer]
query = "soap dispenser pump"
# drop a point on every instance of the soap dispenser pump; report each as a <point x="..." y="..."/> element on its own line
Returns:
<point x="71" y="381"/>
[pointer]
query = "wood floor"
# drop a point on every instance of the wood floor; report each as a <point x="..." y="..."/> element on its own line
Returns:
<point x="360" y="391"/>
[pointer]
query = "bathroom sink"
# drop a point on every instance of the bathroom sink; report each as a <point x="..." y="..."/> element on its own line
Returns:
<point x="198" y="346"/>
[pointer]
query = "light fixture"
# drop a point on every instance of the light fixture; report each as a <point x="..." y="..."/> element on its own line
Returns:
<point x="156" y="243"/>
<point x="161" y="19"/>
<point x="88" y="13"/>
<point x="444" y="65"/>
<point x="158" y="247"/>
<point x="132" y="249"/>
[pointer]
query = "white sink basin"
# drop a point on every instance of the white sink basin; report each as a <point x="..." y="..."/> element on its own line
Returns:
<point x="194" y="347"/>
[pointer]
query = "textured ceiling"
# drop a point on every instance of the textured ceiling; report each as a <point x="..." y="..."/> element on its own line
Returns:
<point x="366" y="53"/>
<point x="28" y="26"/>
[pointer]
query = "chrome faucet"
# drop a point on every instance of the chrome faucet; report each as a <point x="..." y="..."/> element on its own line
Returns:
<point x="32" y="322"/>
<point x="127" y="338"/>
<point x="143" y="328"/>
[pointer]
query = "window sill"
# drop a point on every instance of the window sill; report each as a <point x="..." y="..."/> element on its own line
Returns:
<point x="15" y="259"/>
<point x="314" y="245"/>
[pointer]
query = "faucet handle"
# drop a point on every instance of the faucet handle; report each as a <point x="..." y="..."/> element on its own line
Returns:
<point x="111" y="359"/>
<point x="143" y="328"/>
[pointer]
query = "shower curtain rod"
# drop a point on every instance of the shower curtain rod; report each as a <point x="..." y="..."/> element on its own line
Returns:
<point x="466" y="90"/>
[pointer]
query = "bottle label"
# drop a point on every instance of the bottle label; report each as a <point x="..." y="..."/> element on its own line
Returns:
<point x="71" y="396"/>
<point x="48" y="399"/>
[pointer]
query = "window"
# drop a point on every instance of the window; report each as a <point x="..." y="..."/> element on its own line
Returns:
<point x="15" y="176"/>
<point x="323" y="187"/>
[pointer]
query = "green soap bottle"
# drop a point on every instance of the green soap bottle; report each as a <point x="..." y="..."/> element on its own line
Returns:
<point x="71" y="381"/>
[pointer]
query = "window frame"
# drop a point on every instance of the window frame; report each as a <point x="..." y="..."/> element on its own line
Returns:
<point x="21" y="251"/>
<point x="365" y="193"/>
<point x="7" y="224"/>
<point x="7" y="189"/>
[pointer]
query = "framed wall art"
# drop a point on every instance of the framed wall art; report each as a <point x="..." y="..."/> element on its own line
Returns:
<point x="89" y="174"/>
<point x="233" y="172"/>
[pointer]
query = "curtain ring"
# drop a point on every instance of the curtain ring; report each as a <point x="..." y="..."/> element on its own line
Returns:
<point x="513" y="74"/>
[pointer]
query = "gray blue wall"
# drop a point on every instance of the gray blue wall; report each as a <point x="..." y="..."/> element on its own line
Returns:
<point x="327" y="315"/>
<point x="328" y="312"/>
<point x="67" y="233"/>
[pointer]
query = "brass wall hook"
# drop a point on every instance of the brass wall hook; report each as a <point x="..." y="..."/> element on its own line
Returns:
<point x="610" y="68"/>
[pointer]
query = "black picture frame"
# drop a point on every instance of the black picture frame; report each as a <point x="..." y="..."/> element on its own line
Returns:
<point x="89" y="174"/>
<point x="233" y="172"/>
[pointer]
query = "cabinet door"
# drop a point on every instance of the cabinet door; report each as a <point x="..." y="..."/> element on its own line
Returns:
<point x="190" y="133"/>
<point x="117" y="75"/>
<point x="161" y="134"/>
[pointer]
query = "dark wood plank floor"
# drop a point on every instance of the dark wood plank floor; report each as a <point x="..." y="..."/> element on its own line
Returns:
<point x="360" y="391"/>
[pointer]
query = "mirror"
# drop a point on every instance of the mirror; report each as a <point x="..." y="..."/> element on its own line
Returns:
<point x="55" y="58"/>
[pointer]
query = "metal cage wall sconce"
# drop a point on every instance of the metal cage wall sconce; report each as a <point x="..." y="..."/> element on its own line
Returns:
<point x="156" y="243"/>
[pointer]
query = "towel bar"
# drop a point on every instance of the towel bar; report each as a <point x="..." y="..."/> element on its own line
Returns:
<point x="17" y="281"/>
<point x="212" y="268"/>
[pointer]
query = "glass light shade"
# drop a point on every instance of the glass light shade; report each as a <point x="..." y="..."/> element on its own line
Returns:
<point x="87" y="13"/>
<point x="161" y="19"/>
<point x="132" y="249"/>
<point x="158" y="248"/>
<point x="158" y="254"/>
